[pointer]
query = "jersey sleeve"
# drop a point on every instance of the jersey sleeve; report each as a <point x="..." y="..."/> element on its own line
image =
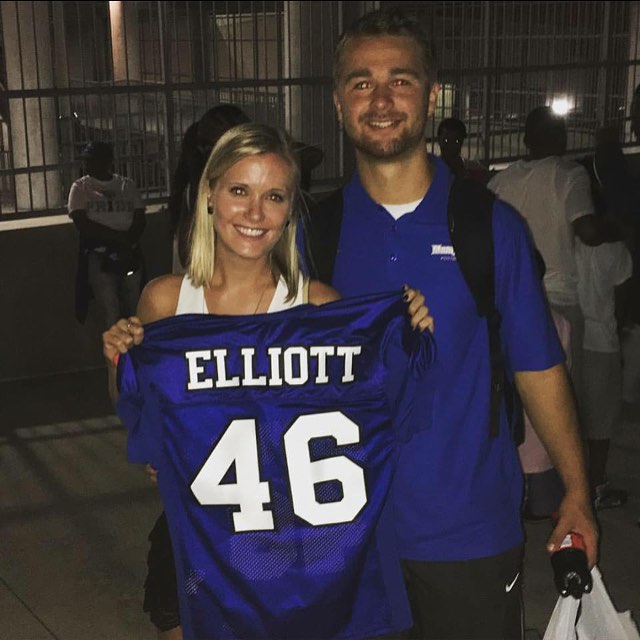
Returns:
<point x="407" y="354"/>
<point x="529" y="335"/>
<point x="135" y="410"/>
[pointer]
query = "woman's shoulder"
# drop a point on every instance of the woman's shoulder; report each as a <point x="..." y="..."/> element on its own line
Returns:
<point x="320" y="293"/>
<point x="159" y="298"/>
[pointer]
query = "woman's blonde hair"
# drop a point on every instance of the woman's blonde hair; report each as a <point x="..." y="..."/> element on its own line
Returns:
<point x="241" y="142"/>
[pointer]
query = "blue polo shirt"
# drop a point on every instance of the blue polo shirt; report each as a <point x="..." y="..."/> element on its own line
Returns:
<point x="457" y="491"/>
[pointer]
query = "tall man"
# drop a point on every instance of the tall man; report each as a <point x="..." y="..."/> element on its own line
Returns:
<point x="458" y="489"/>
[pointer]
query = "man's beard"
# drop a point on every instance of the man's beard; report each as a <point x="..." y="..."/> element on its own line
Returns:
<point x="388" y="149"/>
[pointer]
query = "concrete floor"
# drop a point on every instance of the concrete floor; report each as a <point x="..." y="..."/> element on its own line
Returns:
<point x="74" y="518"/>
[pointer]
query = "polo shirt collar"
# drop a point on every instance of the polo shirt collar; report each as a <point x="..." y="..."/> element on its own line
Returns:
<point x="437" y="194"/>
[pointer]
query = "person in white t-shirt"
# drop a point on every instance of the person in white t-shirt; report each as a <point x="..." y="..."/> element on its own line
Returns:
<point x="604" y="274"/>
<point x="553" y="194"/>
<point x="107" y="210"/>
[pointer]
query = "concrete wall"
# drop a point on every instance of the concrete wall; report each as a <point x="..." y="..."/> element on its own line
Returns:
<point x="39" y="334"/>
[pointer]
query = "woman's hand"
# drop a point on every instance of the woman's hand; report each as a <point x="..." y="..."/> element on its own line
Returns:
<point x="417" y="310"/>
<point x="124" y="334"/>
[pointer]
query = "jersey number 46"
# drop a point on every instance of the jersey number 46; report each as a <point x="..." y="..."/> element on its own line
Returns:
<point x="239" y="445"/>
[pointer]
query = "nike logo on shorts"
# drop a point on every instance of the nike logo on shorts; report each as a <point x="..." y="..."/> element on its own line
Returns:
<point x="510" y="586"/>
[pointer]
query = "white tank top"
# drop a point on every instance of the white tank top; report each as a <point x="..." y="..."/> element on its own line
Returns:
<point x="192" y="300"/>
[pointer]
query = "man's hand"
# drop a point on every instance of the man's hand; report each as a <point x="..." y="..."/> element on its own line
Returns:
<point x="548" y="401"/>
<point x="576" y="515"/>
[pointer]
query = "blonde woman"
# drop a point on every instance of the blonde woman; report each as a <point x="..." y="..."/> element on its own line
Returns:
<point x="243" y="261"/>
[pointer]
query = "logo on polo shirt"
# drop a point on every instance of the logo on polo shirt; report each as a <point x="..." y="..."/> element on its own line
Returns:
<point x="445" y="251"/>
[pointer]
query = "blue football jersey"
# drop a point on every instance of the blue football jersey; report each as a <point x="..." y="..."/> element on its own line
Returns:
<point x="274" y="437"/>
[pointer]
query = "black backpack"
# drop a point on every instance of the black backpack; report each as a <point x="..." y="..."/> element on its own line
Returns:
<point x="469" y="217"/>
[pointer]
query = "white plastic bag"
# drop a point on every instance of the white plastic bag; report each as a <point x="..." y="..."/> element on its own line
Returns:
<point x="592" y="618"/>
<point x="562" y="624"/>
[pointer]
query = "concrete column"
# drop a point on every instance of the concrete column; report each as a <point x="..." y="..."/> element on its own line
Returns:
<point x="125" y="43"/>
<point x="66" y="119"/>
<point x="125" y="52"/>
<point x="601" y="88"/>
<point x="292" y="66"/>
<point x="34" y="139"/>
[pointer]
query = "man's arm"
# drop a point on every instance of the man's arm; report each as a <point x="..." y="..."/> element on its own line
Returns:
<point x="594" y="230"/>
<point x="549" y="403"/>
<point x="91" y="230"/>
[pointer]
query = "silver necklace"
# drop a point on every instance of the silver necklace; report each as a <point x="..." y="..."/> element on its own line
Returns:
<point x="255" y="311"/>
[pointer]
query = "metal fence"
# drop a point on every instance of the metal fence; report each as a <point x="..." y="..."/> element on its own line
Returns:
<point x="499" y="60"/>
<point x="137" y="74"/>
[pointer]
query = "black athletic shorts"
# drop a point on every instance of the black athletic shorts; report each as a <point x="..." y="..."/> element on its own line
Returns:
<point x="467" y="600"/>
<point x="160" y="587"/>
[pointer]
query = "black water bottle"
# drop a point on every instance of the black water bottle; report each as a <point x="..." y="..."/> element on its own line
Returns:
<point x="570" y="568"/>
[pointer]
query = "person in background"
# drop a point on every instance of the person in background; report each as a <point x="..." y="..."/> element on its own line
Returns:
<point x="631" y="335"/>
<point x="198" y="140"/>
<point x="608" y="305"/>
<point x="553" y="194"/>
<point x="604" y="280"/>
<point x="309" y="157"/>
<point x="451" y="135"/>
<point x="108" y="213"/>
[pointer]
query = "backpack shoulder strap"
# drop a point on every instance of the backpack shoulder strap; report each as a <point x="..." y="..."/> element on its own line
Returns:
<point x="470" y="219"/>
<point x="322" y="231"/>
<point x="471" y="230"/>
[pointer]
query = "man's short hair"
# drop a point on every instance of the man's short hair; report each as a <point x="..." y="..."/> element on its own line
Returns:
<point x="386" y="22"/>
<point x="453" y="124"/>
<point x="543" y="126"/>
<point x="101" y="151"/>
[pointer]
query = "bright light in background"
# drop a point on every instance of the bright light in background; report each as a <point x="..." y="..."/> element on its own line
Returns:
<point x="561" y="106"/>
